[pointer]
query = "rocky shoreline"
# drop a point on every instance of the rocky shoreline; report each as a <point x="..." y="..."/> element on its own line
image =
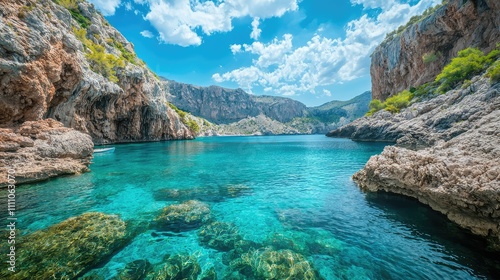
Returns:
<point x="447" y="155"/>
<point x="38" y="150"/>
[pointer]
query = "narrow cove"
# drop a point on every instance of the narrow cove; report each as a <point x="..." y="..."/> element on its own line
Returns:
<point x="287" y="192"/>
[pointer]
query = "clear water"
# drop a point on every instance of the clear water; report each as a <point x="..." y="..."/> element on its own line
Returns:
<point x="298" y="185"/>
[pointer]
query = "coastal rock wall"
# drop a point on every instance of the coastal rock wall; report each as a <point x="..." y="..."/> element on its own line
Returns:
<point x="47" y="71"/>
<point x="447" y="155"/>
<point x="222" y="106"/>
<point x="398" y="63"/>
<point x="38" y="150"/>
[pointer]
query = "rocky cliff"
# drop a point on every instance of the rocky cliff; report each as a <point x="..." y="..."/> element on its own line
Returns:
<point x="418" y="53"/>
<point x="447" y="155"/>
<point x="61" y="60"/>
<point x="222" y="106"/>
<point x="69" y="64"/>
<point x="235" y="112"/>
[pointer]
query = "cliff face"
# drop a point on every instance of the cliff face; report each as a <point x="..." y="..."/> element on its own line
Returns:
<point x="446" y="155"/>
<point x="399" y="63"/>
<point x="235" y="112"/>
<point x="82" y="73"/>
<point x="223" y="106"/>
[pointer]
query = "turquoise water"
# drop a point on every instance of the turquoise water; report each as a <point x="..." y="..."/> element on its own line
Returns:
<point x="299" y="186"/>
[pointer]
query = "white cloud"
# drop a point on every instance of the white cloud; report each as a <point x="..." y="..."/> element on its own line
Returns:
<point x="180" y="21"/>
<point x="327" y="92"/>
<point x="128" y="6"/>
<point x="282" y="68"/>
<point x="107" y="7"/>
<point x="235" y="48"/>
<point x="183" y="22"/>
<point x="147" y="34"/>
<point x="255" y="29"/>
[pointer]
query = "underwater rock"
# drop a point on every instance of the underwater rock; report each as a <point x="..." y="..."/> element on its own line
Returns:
<point x="288" y="240"/>
<point x="182" y="217"/>
<point x="209" y="275"/>
<point x="203" y="194"/>
<point x="65" y="250"/>
<point x="272" y="264"/>
<point x="221" y="236"/>
<point x="135" y="270"/>
<point x="304" y="243"/>
<point x="182" y="266"/>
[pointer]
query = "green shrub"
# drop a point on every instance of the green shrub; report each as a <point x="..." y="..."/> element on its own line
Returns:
<point x="193" y="126"/>
<point x="399" y="101"/>
<point x="125" y="54"/>
<point x="468" y="63"/>
<point x="72" y="7"/>
<point x="100" y="61"/>
<point x="375" y="106"/>
<point x="494" y="72"/>
<point x="393" y="104"/>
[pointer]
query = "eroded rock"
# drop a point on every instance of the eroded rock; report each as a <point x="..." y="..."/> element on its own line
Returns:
<point x="38" y="150"/>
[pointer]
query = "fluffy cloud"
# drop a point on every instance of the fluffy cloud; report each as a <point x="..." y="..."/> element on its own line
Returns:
<point x="281" y="68"/>
<point x="235" y="48"/>
<point x="107" y="7"/>
<point x="179" y="22"/>
<point x="255" y="29"/>
<point x="147" y="34"/>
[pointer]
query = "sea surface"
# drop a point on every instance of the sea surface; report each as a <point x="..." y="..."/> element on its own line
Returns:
<point x="294" y="186"/>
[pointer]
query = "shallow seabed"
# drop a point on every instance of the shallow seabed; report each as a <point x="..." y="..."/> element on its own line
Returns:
<point x="290" y="189"/>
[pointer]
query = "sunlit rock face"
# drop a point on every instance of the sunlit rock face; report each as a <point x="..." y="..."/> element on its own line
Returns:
<point x="398" y="63"/>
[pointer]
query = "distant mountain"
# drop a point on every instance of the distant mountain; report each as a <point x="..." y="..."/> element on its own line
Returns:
<point x="235" y="112"/>
<point x="350" y="109"/>
<point x="223" y="106"/>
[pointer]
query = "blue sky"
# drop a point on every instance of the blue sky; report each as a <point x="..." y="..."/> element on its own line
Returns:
<point x="313" y="51"/>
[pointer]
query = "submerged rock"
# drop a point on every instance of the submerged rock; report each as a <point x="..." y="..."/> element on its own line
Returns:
<point x="182" y="266"/>
<point x="182" y="217"/>
<point x="272" y="264"/>
<point x="203" y="194"/>
<point x="221" y="236"/>
<point x="38" y="150"/>
<point x="135" y="270"/>
<point x="65" y="250"/>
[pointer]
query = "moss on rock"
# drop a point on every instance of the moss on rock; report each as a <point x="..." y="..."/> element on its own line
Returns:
<point x="65" y="250"/>
<point x="272" y="264"/>
<point x="221" y="236"/>
<point x="182" y="217"/>
<point x="182" y="266"/>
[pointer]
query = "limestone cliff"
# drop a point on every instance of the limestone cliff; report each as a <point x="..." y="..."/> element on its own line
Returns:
<point x="222" y="106"/>
<point x="447" y="155"/>
<point x="417" y="54"/>
<point x="69" y="64"/>
<point x="235" y="112"/>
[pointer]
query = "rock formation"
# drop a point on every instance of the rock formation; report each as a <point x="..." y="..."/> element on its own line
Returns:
<point x="57" y="65"/>
<point x="447" y="155"/>
<point x="67" y="249"/>
<point x="235" y="112"/>
<point x="67" y="63"/>
<point x="38" y="150"/>
<point x="398" y="63"/>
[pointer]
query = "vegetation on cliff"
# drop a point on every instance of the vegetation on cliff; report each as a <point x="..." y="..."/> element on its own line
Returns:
<point x="413" y="20"/>
<point x="468" y="63"/>
<point x="185" y="118"/>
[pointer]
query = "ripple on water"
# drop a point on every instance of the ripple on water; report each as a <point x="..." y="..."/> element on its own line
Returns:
<point x="284" y="193"/>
